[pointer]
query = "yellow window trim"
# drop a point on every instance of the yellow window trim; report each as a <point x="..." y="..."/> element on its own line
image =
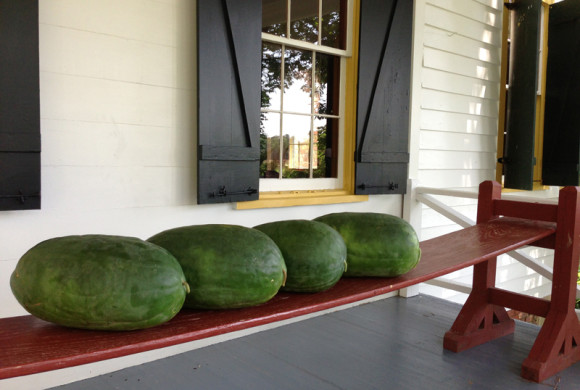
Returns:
<point x="301" y="198"/>
<point x="318" y="197"/>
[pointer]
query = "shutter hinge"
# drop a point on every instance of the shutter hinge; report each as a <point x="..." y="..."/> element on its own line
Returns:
<point x="222" y="192"/>
<point x="391" y="186"/>
<point x="20" y="197"/>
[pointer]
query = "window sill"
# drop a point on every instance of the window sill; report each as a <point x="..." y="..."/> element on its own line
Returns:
<point x="300" y="198"/>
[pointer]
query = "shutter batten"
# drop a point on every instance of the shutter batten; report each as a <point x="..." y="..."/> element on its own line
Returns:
<point x="19" y="106"/>
<point x="229" y="65"/>
<point x="383" y="97"/>
<point x="519" y="159"/>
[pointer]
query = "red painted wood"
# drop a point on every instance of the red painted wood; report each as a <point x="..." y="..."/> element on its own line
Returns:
<point x="488" y="192"/>
<point x="479" y="320"/>
<point x="556" y="347"/>
<point x="520" y="302"/>
<point x="536" y="211"/>
<point x="477" y="323"/>
<point x="558" y="343"/>
<point x="30" y="345"/>
<point x="567" y="250"/>
<point x="483" y="317"/>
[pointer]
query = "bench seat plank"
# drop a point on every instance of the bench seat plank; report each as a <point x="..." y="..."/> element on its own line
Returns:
<point x="30" y="345"/>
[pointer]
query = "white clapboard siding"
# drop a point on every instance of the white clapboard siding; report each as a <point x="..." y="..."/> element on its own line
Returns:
<point x="446" y="159"/>
<point x="471" y="10"/>
<point x="83" y="143"/>
<point x="456" y="122"/>
<point x="442" y="81"/>
<point x="147" y="21"/>
<point x="441" y="40"/>
<point x="432" y="218"/>
<point x="459" y="106"/>
<point x="458" y="24"/>
<point x="76" y="98"/>
<point x="436" y="140"/>
<point x="443" y="101"/>
<point x="437" y="231"/>
<point x="495" y="4"/>
<point x="454" y="201"/>
<point x="455" y="63"/>
<point x="118" y="121"/>
<point x="454" y="178"/>
<point x="87" y="53"/>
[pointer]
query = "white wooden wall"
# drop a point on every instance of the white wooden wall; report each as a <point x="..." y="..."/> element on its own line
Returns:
<point x="117" y="83"/>
<point x="456" y="104"/>
<point x="118" y="121"/>
<point x="118" y="127"/>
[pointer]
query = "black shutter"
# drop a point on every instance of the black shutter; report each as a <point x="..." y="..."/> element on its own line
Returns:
<point x="562" y="112"/>
<point x="229" y="53"/>
<point x="519" y="159"/>
<point x="19" y="106"/>
<point x="383" y="96"/>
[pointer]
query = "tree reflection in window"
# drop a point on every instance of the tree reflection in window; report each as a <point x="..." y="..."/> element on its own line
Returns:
<point x="299" y="122"/>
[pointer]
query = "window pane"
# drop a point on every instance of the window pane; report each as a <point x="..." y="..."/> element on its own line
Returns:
<point x="325" y="145"/>
<point x="296" y="129"/>
<point x="271" y="75"/>
<point x="326" y="83"/>
<point x="304" y="20"/>
<point x="300" y="88"/>
<point x="298" y="81"/>
<point x="270" y="145"/>
<point x="332" y="23"/>
<point x="274" y="17"/>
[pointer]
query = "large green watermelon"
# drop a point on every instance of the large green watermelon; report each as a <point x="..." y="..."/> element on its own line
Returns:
<point x="377" y="244"/>
<point x="314" y="253"/>
<point x="226" y="266"/>
<point x="99" y="282"/>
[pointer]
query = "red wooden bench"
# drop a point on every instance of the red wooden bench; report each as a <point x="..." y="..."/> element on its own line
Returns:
<point x="30" y="345"/>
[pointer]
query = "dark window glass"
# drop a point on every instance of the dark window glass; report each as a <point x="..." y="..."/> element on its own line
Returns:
<point x="304" y="20"/>
<point x="332" y="24"/>
<point x="274" y="17"/>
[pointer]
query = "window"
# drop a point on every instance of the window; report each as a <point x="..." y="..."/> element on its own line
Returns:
<point x="246" y="136"/>
<point x="303" y="52"/>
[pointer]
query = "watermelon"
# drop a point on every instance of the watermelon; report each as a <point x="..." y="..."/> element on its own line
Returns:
<point x="226" y="266"/>
<point x="377" y="244"/>
<point x="99" y="282"/>
<point x="314" y="253"/>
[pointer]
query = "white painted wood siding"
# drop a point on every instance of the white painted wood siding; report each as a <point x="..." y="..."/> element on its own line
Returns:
<point x="118" y="121"/>
<point x="459" y="93"/>
<point x="456" y="90"/>
<point x="119" y="128"/>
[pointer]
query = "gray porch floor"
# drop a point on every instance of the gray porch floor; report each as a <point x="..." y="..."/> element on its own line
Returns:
<point x="394" y="343"/>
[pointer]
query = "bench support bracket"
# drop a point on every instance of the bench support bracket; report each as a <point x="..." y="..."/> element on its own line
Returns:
<point x="484" y="318"/>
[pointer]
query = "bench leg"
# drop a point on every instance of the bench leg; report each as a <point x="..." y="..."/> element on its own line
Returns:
<point x="556" y="347"/>
<point x="558" y="343"/>
<point x="476" y="325"/>
<point x="479" y="321"/>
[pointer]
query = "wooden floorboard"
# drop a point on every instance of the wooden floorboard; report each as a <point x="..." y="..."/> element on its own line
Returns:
<point x="389" y="344"/>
